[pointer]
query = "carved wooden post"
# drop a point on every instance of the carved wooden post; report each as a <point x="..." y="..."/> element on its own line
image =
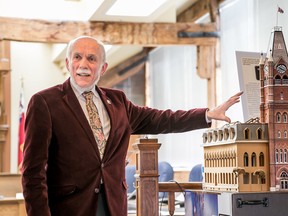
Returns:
<point x="147" y="176"/>
<point x="4" y="106"/>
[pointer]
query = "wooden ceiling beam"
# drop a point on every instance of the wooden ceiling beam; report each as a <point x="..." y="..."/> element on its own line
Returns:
<point x="197" y="10"/>
<point x="114" y="33"/>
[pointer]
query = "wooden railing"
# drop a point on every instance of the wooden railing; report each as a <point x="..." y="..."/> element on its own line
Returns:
<point x="147" y="185"/>
<point x="173" y="187"/>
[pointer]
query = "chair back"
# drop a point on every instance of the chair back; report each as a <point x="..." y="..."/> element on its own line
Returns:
<point x="130" y="171"/>
<point x="196" y="173"/>
<point x="166" y="174"/>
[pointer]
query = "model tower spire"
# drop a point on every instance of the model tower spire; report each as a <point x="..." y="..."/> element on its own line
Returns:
<point x="273" y="108"/>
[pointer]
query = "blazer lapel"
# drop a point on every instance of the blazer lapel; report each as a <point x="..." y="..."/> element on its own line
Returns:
<point x="108" y="103"/>
<point x="71" y="100"/>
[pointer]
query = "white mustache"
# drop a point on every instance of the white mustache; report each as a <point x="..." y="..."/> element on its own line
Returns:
<point x="83" y="72"/>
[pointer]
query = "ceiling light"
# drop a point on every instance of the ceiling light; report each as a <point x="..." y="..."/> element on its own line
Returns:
<point x="134" y="8"/>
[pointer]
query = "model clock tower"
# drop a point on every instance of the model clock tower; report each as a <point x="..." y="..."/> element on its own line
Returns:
<point x="274" y="108"/>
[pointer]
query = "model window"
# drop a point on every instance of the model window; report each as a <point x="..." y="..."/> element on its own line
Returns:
<point x="284" y="180"/>
<point x="209" y="137"/>
<point x="246" y="159"/>
<point x="259" y="133"/>
<point x="232" y="133"/>
<point x="279" y="134"/>
<point x="215" y="136"/>
<point x="285" y="156"/>
<point x="285" y="134"/>
<point x="278" y="117"/>
<point x="263" y="180"/>
<point x="261" y="159"/>
<point x="246" y="133"/>
<point x="226" y="134"/>
<point x="277" y="80"/>
<point x="246" y="178"/>
<point x="220" y="135"/>
<point x="276" y="156"/>
<point x="253" y="159"/>
<point x="204" y="137"/>
<point x="285" y="117"/>
<point x="281" y="156"/>
<point x="254" y="178"/>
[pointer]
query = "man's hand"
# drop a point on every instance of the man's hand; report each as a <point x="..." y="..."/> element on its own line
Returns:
<point x="218" y="113"/>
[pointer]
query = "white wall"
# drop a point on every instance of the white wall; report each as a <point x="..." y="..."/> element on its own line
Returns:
<point x="237" y="34"/>
<point x="31" y="62"/>
<point x="175" y="85"/>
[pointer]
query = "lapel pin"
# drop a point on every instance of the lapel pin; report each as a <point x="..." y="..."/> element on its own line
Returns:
<point x="108" y="101"/>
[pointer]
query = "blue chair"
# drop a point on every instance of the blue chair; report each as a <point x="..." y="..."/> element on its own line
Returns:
<point x="130" y="171"/>
<point x="196" y="173"/>
<point x="166" y="174"/>
<point x="165" y="171"/>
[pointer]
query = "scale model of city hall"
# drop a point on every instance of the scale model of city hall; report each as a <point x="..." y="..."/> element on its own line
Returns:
<point x="252" y="156"/>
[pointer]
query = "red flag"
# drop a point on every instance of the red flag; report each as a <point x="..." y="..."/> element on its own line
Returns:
<point x="21" y="132"/>
<point x="280" y="10"/>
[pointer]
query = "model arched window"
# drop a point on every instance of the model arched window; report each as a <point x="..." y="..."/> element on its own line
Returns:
<point x="246" y="178"/>
<point x="285" y="117"/>
<point x="278" y="117"/>
<point x="246" y="159"/>
<point x="284" y="180"/>
<point x="276" y="156"/>
<point x="277" y="80"/>
<point x="285" y="134"/>
<point x="215" y="136"/>
<point x="285" y="156"/>
<point x="204" y="137"/>
<point x="209" y="136"/>
<point x="285" y="80"/>
<point x="259" y="133"/>
<point x="281" y="156"/>
<point x="253" y="159"/>
<point x="232" y="133"/>
<point x="261" y="159"/>
<point x="246" y="133"/>
<point x="279" y="134"/>
<point x="254" y="179"/>
<point x="220" y="133"/>
<point x="226" y="134"/>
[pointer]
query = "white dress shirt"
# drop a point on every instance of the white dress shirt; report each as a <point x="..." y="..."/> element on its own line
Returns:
<point x="103" y="114"/>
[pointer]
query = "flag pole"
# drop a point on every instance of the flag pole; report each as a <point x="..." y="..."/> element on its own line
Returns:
<point x="21" y="132"/>
<point x="279" y="10"/>
<point x="277" y="15"/>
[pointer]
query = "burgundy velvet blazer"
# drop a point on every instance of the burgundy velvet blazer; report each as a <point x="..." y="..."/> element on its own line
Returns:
<point x="62" y="166"/>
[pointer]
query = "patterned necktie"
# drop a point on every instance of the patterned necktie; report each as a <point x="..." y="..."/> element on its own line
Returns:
<point x="95" y="122"/>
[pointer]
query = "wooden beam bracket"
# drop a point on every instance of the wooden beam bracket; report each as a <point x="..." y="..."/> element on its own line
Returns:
<point x="133" y="65"/>
<point x="198" y="34"/>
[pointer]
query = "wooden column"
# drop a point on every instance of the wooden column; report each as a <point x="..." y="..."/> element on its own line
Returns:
<point x="147" y="176"/>
<point x="208" y="58"/>
<point x="5" y="107"/>
<point x="206" y="69"/>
